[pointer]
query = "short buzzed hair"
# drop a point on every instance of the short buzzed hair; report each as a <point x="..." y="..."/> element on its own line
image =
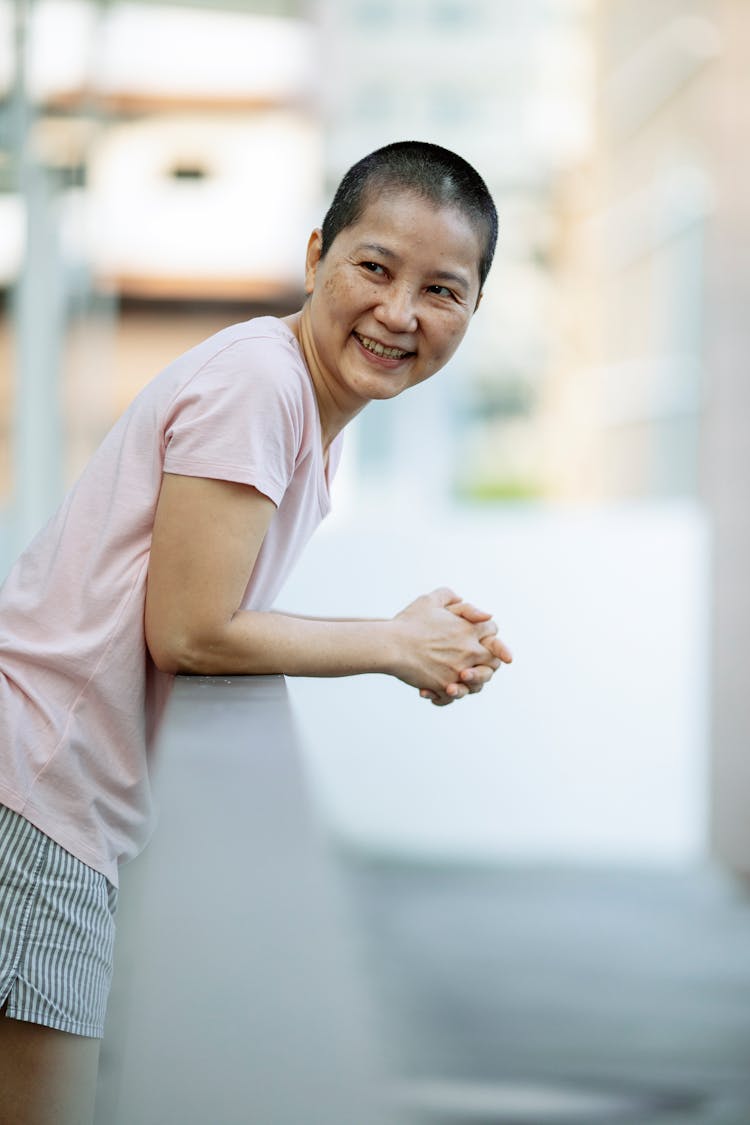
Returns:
<point x="427" y="170"/>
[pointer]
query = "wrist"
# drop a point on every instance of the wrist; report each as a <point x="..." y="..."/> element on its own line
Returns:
<point x="388" y="647"/>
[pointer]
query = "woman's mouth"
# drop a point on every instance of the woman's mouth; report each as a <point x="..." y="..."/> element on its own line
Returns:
<point x="380" y="350"/>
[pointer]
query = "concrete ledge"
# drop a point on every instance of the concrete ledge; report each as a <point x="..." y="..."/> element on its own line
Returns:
<point x="238" y="995"/>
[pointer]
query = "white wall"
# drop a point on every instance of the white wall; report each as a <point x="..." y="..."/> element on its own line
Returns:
<point x="591" y="746"/>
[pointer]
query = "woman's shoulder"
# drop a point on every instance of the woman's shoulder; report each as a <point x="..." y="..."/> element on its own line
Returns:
<point x="261" y="349"/>
<point x="260" y="356"/>
<point x="256" y="336"/>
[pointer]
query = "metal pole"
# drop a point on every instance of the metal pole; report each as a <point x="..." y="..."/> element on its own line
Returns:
<point x="39" y="320"/>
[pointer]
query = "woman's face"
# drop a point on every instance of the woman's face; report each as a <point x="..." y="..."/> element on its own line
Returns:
<point x="391" y="300"/>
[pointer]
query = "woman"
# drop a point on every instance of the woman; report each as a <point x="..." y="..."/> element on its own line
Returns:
<point x="165" y="558"/>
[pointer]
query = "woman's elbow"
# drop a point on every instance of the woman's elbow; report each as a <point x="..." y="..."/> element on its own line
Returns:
<point x="177" y="653"/>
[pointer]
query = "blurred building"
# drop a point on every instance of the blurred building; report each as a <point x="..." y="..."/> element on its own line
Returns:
<point x="627" y="397"/>
<point x="649" y="396"/>
<point x="192" y="175"/>
<point x="148" y="195"/>
<point x="173" y="167"/>
<point x="505" y="83"/>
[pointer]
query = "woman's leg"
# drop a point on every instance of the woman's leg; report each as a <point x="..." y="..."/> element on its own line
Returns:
<point x="47" y="1077"/>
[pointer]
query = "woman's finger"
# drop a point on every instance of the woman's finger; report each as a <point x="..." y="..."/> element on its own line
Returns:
<point x="469" y="612"/>
<point x="498" y="648"/>
<point x="456" y="691"/>
<point x="475" y="678"/>
<point x="439" y="699"/>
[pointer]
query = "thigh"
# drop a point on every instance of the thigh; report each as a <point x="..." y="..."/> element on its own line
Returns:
<point x="47" y="1077"/>
<point x="56" y="932"/>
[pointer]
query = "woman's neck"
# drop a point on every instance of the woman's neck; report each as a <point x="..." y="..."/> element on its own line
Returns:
<point x="334" y="415"/>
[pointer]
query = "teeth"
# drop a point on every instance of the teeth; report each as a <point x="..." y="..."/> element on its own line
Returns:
<point x="378" y="349"/>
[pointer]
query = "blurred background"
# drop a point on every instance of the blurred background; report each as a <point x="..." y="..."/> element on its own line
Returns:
<point x="581" y="468"/>
<point x="541" y="871"/>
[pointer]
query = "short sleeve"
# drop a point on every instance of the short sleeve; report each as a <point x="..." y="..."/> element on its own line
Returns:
<point x="239" y="418"/>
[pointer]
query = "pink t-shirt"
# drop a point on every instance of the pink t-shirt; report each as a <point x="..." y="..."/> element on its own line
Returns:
<point x="80" y="697"/>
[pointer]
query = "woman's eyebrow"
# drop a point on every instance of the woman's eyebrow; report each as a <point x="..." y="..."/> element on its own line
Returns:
<point x="374" y="248"/>
<point x="456" y="278"/>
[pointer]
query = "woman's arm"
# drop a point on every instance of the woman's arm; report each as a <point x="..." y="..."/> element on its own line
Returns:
<point x="206" y="538"/>
<point x="473" y="679"/>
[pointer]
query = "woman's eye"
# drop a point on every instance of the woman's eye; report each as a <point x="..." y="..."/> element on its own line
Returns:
<point x="441" y="290"/>
<point x="373" y="267"/>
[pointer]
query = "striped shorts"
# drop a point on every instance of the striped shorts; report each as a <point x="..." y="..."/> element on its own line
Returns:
<point x="56" y="932"/>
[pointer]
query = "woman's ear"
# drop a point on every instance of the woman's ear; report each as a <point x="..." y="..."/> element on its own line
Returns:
<point x="314" y="252"/>
<point x="479" y="300"/>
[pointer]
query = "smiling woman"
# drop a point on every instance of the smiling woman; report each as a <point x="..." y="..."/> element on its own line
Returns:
<point x="388" y="304"/>
<point x="167" y="556"/>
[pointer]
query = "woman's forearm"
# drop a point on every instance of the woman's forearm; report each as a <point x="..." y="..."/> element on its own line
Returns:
<point x="254" y="643"/>
<point x="425" y="645"/>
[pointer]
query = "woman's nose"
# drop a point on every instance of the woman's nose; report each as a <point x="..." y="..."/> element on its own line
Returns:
<point x="397" y="311"/>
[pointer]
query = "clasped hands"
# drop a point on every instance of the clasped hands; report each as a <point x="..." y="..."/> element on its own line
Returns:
<point x="452" y="647"/>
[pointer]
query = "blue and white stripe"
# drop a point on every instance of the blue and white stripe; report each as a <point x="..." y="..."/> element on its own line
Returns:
<point x="56" y="932"/>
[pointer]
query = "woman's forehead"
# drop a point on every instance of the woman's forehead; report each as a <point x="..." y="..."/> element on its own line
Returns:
<point x="396" y="221"/>
<point x="393" y="203"/>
